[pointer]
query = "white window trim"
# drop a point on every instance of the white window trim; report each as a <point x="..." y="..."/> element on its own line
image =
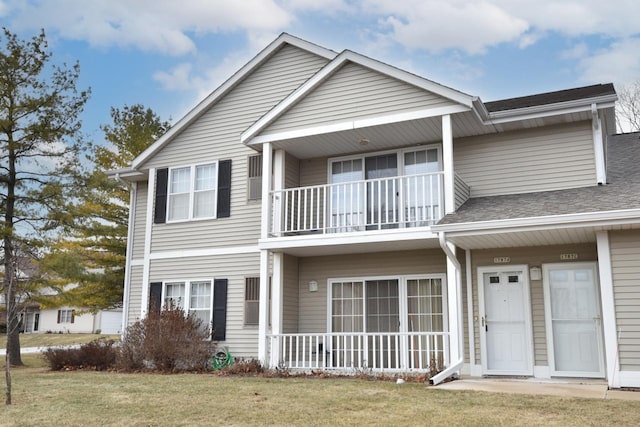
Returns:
<point x="192" y="191"/>
<point x="399" y="153"/>
<point x="402" y="295"/>
<point x="187" y="294"/>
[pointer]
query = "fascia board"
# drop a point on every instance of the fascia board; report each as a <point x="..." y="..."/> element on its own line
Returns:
<point x="229" y="84"/>
<point x="326" y="72"/>
<point x="628" y="216"/>
<point x="537" y="111"/>
<point x="356" y="124"/>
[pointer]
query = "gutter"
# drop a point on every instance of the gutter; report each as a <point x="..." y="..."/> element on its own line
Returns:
<point x="457" y="365"/>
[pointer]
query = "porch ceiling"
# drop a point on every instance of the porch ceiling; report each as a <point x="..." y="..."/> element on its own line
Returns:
<point x="556" y="236"/>
<point x="381" y="137"/>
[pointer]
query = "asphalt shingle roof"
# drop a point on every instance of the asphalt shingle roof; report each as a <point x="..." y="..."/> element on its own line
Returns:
<point x="621" y="192"/>
<point x="551" y="97"/>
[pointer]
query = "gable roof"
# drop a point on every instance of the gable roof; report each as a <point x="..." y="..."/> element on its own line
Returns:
<point x="336" y="64"/>
<point x="621" y="193"/>
<point x="227" y="86"/>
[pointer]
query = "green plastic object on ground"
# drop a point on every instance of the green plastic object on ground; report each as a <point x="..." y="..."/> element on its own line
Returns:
<point x="221" y="359"/>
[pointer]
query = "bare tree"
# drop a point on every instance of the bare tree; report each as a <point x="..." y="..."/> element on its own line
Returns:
<point x="628" y="108"/>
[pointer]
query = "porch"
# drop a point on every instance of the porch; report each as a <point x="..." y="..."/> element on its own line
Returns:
<point x="413" y="352"/>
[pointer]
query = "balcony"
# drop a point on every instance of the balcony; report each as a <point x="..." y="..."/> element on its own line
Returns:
<point x="357" y="206"/>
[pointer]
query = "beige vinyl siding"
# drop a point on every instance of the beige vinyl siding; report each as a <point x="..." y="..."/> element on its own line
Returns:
<point x="535" y="256"/>
<point x="216" y="136"/>
<point x="290" y="295"/>
<point x="313" y="305"/>
<point x="139" y="221"/>
<point x="461" y="191"/>
<point x="135" y="294"/>
<point x="355" y="92"/>
<point x="291" y="171"/>
<point x="242" y="341"/>
<point x="541" y="159"/>
<point x="313" y="171"/>
<point x="625" y="265"/>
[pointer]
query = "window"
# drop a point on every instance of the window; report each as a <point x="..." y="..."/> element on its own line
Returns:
<point x="251" y="300"/>
<point x="65" y="316"/>
<point x="192" y="192"/>
<point x="255" y="177"/>
<point x="194" y="297"/>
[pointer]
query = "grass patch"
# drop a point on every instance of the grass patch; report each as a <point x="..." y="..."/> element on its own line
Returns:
<point x="100" y="398"/>
<point x="48" y="340"/>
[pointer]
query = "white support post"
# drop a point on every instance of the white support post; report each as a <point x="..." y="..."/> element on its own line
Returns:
<point x="470" y="324"/>
<point x="277" y="284"/>
<point x="598" y="145"/>
<point x="263" y="307"/>
<point x="278" y="184"/>
<point x="453" y="307"/>
<point x="146" y="269"/>
<point x="447" y="160"/>
<point x="129" y="255"/>
<point x="267" y="164"/>
<point x="608" y="309"/>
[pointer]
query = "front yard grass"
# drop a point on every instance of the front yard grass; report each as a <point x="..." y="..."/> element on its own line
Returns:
<point x="47" y="340"/>
<point x="102" y="398"/>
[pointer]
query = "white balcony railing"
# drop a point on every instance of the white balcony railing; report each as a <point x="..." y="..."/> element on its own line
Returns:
<point x="375" y="204"/>
<point x="378" y="352"/>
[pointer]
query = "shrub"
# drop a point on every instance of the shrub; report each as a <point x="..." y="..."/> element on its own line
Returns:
<point x="98" y="355"/>
<point x="247" y="367"/>
<point x="167" y="341"/>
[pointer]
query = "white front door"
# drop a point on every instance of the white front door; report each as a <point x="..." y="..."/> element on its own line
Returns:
<point x="574" y="326"/>
<point x="505" y="323"/>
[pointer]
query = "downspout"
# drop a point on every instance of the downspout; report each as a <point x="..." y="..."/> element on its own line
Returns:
<point x="457" y="365"/>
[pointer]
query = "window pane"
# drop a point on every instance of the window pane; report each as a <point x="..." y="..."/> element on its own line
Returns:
<point x="200" y="295"/>
<point x="204" y="204"/>
<point x="180" y="180"/>
<point x="206" y="177"/>
<point x="178" y="206"/>
<point x="174" y="292"/>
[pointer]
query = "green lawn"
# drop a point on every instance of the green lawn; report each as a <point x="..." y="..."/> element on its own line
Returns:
<point x="46" y="340"/>
<point x="92" y="398"/>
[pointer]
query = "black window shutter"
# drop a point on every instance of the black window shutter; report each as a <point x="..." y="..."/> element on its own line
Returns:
<point x="224" y="189"/>
<point x="73" y="316"/>
<point x="58" y="316"/>
<point x="155" y="297"/>
<point x="160" y="213"/>
<point x="219" y="310"/>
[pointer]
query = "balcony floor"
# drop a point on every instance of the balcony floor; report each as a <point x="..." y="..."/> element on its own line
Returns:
<point x="399" y="239"/>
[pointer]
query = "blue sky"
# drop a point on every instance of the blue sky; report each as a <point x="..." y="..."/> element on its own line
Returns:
<point x="169" y="54"/>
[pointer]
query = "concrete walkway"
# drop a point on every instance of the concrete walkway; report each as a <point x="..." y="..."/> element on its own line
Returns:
<point x="588" y="389"/>
<point x="31" y="350"/>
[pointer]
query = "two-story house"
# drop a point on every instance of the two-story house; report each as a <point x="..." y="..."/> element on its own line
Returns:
<point x="330" y="211"/>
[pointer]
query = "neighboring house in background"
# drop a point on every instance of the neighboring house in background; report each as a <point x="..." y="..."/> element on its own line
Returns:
<point x="70" y="319"/>
<point x="404" y="226"/>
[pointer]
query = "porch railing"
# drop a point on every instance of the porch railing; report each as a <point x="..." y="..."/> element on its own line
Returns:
<point x="373" y="204"/>
<point x="378" y="352"/>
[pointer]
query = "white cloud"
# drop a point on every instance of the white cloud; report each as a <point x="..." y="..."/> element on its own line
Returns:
<point x="619" y="63"/>
<point x="435" y="25"/>
<point x="474" y="26"/>
<point x="578" y="51"/>
<point x="185" y="77"/>
<point x="150" y="25"/>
